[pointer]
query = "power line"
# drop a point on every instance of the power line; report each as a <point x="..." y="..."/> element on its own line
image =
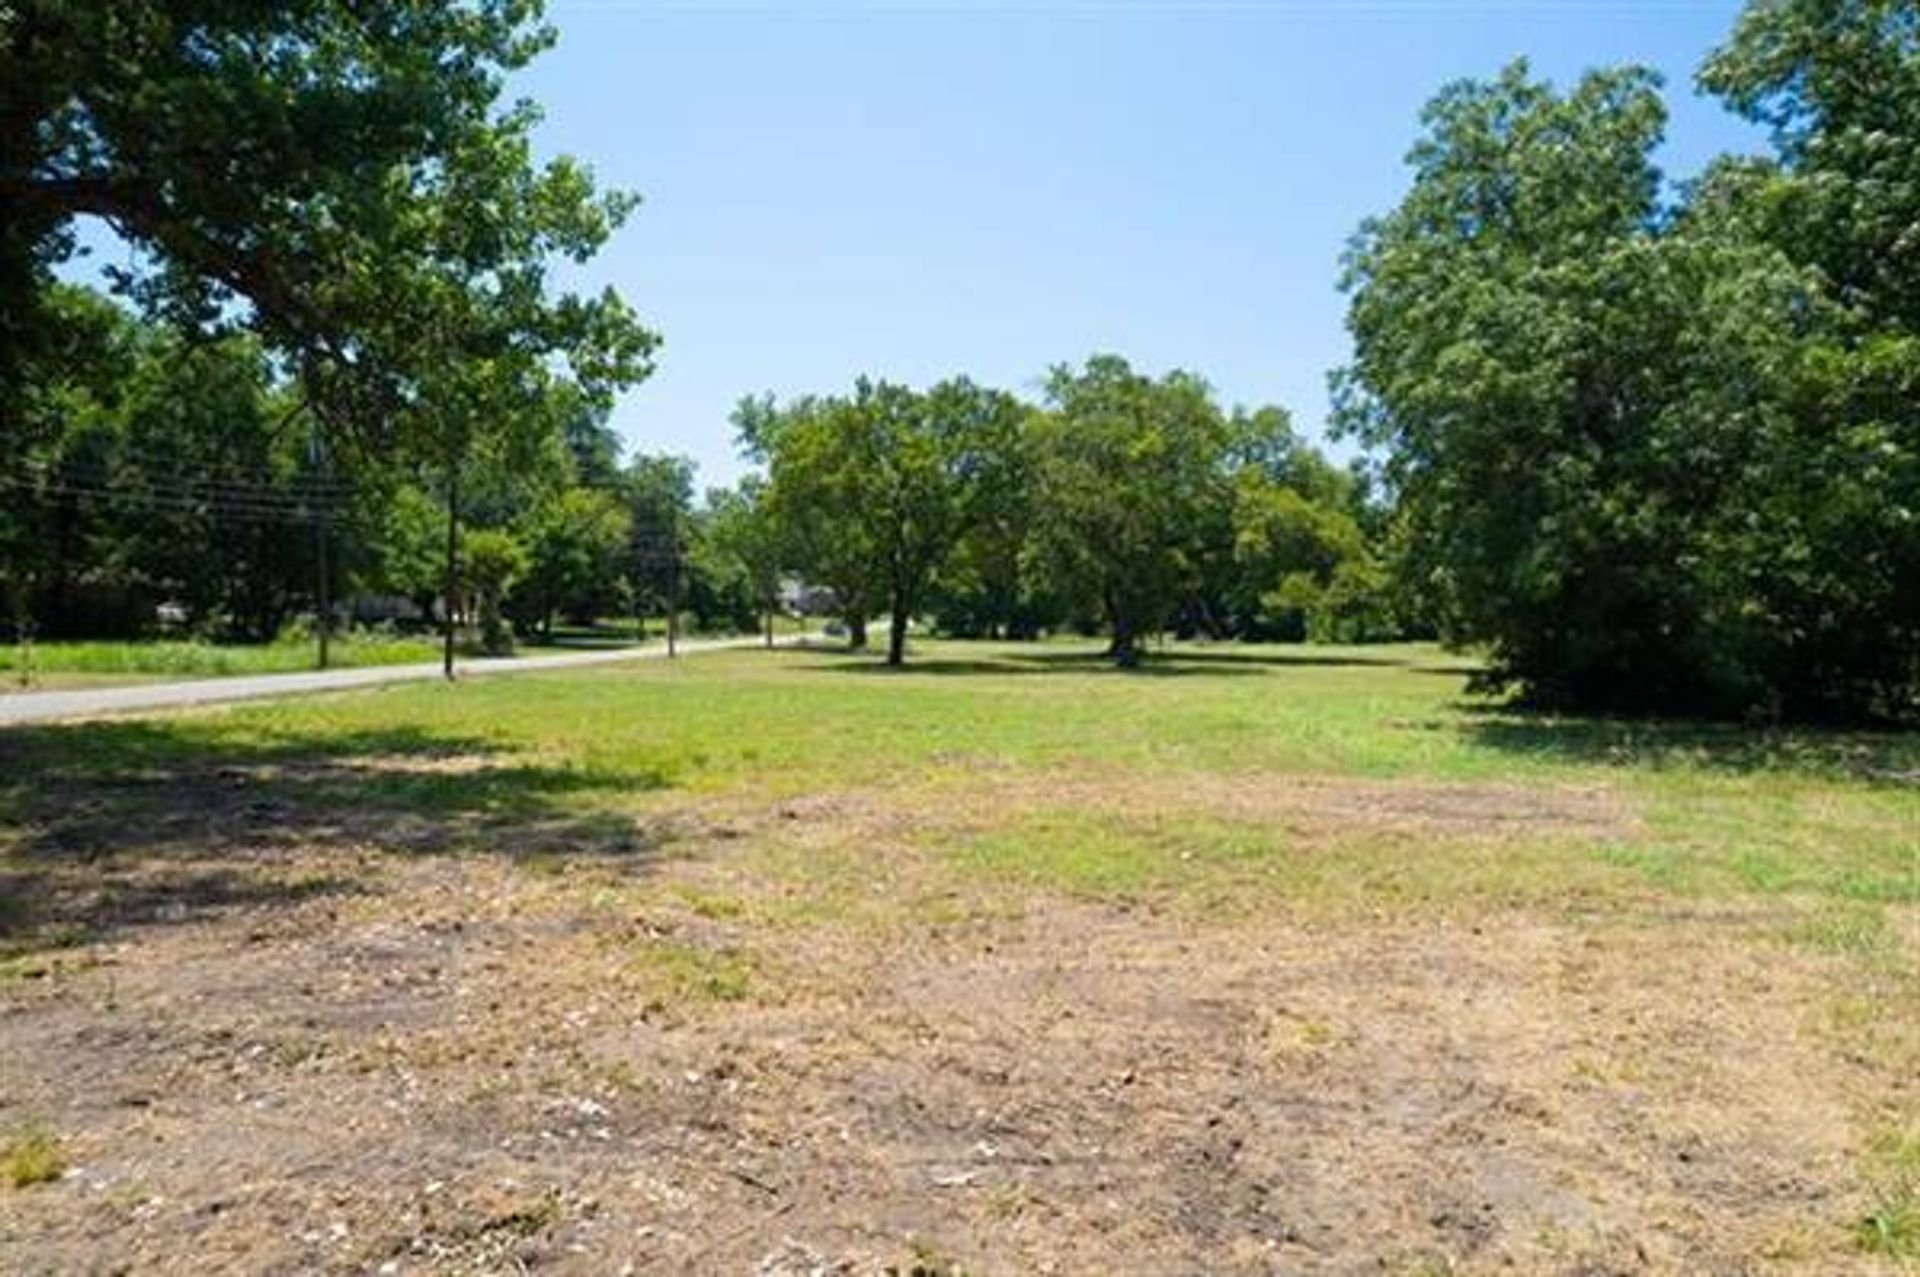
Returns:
<point x="184" y="503"/>
<point x="215" y="491"/>
<point x="200" y="505"/>
<point x="157" y="453"/>
<point x="180" y="481"/>
<point x="138" y="446"/>
<point x="123" y="450"/>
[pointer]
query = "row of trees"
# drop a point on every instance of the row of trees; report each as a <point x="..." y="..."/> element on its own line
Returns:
<point x="1659" y="448"/>
<point x="1121" y="500"/>
<point x="183" y="475"/>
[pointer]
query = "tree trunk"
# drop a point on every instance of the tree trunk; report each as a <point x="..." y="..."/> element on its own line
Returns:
<point x="857" y="631"/>
<point x="769" y="627"/>
<point x="496" y="635"/>
<point x="897" y="635"/>
<point x="673" y="587"/>
<point x="1125" y="648"/>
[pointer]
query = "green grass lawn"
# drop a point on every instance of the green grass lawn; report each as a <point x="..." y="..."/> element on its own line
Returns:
<point x="93" y="663"/>
<point x="1723" y="808"/>
<point x="1821" y="817"/>
<point x="82" y="663"/>
<point x="796" y="800"/>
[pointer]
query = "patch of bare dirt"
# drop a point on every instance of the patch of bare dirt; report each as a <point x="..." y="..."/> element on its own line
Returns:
<point x="984" y="794"/>
<point x="1483" y="809"/>
<point x="465" y="1066"/>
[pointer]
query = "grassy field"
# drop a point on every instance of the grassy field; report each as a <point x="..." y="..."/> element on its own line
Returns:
<point x="1257" y="959"/>
<point x="101" y="663"/>
<point x="72" y="664"/>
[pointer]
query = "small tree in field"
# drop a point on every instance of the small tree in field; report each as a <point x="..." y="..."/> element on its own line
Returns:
<point x="876" y="490"/>
<point x="573" y="543"/>
<point x="936" y="459"/>
<point x="813" y="495"/>
<point x="741" y="532"/>
<point x="494" y="561"/>
<point x="1126" y="468"/>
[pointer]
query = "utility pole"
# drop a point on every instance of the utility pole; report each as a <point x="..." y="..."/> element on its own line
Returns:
<point x="453" y="565"/>
<point x="22" y="627"/>
<point x="318" y="454"/>
<point x="326" y="585"/>
<point x="673" y="583"/>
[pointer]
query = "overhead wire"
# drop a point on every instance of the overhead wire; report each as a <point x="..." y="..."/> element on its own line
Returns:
<point x="178" y="479"/>
<point x="200" y="504"/>
<point x="177" y="483"/>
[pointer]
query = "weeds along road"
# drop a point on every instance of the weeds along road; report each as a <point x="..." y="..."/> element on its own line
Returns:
<point x="39" y="707"/>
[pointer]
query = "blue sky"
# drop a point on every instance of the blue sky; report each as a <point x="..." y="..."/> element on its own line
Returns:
<point x="915" y="190"/>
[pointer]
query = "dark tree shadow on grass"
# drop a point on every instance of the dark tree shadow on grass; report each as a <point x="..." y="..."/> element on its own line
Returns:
<point x="1019" y="667"/>
<point x="588" y="638"/>
<point x="1890" y="757"/>
<point x="105" y="825"/>
<point x="1153" y="664"/>
<point x="1186" y="661"/>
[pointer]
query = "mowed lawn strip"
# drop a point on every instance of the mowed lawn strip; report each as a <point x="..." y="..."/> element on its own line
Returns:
<point x="1648" y="989"/>
<point x="62" y="663"/>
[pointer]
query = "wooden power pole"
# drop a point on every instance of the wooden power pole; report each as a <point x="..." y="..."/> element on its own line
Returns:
<point x="317" y="451"/>
<point x="453" y="567"/>
<point x="673" y="584"/>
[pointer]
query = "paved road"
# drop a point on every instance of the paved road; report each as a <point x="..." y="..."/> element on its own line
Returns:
<point x="34" y="707"/>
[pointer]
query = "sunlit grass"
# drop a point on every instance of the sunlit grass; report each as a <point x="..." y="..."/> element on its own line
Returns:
<point x="961" y="754"/>
<point x="67" y="663"/>
<point x="1714" y="810"/>
<point x="685" y="973"/>
<point x="1892" y="1226"/>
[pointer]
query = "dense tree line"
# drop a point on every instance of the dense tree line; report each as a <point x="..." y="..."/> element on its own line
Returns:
<point x="184" y="481"/>
<point x="1122" y="502"/>
<point x="183" y="475"/>
<point x="1659" y="449"/>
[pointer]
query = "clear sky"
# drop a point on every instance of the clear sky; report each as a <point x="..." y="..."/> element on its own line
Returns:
<point x="918" y="189"/>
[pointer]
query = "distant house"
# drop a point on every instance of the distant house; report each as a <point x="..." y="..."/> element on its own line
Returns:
<point x="371" y="609"/>
<point x="801" y="599"/>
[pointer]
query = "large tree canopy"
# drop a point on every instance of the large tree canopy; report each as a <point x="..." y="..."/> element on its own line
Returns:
<point x="1839" y="86"/>
<point x="343" y="178"/>
<point x="1654" y="455"/>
